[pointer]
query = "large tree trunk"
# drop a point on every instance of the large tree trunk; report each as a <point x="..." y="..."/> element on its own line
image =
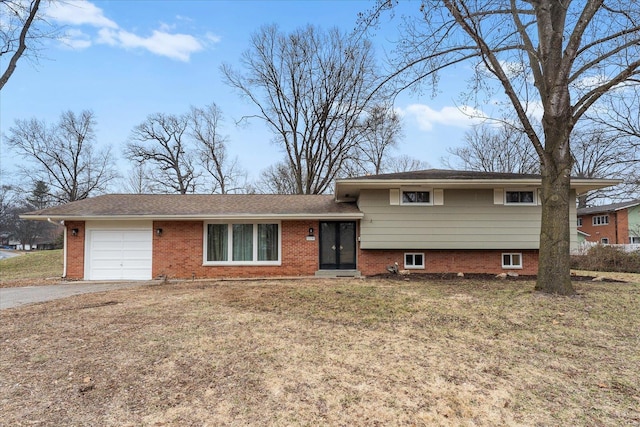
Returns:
<point x="554" y="268"/>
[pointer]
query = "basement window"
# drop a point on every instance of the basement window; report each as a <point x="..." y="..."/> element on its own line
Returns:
<point x="512" y="260"/>
<point x="413" y="261"/>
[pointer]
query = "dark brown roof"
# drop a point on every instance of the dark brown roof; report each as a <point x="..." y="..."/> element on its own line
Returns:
<point x="608" y="208"/>
<point x="449" y="174"/>
<point x="200" y="206"/>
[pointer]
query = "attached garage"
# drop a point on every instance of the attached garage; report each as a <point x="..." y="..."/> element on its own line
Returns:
<point x="122" y="252"/>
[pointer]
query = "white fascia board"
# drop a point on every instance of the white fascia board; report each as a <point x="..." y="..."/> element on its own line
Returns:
<point x="346" y="216"/>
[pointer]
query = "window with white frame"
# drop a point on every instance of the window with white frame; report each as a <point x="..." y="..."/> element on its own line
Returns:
<point x="242" y="243"/>
<point x="413" y="260"/>
<point x="512" y="260"/>
<point x="580" y="222"/>
<point x="519" y="197"/>
<point x="604" y="240"/>
<point x="634" y="240"/>
<point x="416" y="197"/>
<point x="600" y="220"/>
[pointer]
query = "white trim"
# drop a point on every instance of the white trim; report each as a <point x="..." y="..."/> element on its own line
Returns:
<point x="600" y="223"/>
<point x="498" y="196"/>
<point x="413" y="266"/>
<point x="254" y="262"/>
<point x="511" y="266"/>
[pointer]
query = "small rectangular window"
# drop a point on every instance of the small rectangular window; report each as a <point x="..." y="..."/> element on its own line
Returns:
<point x="416" y="197"/>
<point x="604" y="240"/>
<point x="580" y="222"/>
<point x="413" y="260"/>
<point x="513" y="260"/>
<point x="600" y="220"/>
<point x="634" y="240"/>
<point x="519" y="197"/>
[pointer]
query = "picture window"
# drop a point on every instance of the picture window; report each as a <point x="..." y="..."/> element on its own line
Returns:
<point x="242" y="244"/>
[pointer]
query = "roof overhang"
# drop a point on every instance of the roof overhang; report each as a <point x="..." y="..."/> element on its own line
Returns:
<point x="349" y="189"/>
<point x="226" y="217"/>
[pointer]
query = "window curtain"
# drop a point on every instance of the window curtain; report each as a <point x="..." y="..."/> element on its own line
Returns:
<point x="243" y="242"/>
<point x="217" y="242"/>
<point x="267" y="242"/>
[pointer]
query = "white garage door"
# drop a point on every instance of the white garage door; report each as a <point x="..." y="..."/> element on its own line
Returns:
<point x="120" y="254"/>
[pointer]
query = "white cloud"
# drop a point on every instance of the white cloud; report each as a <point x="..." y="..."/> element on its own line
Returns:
<point x="79" y="12"/>
<point x="161" y="41"/>
<point x="174" y="46"/>
<point x="427" y="117"/>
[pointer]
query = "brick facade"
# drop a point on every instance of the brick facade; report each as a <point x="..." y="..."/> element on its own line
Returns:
<point x="373" y="262"/>
<point x="178" y="253"/>
<point x="75" y="250"/>
<point x="616" y="231"/>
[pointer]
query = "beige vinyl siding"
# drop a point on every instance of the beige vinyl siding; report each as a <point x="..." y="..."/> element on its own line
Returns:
<point x="468" y="219"/>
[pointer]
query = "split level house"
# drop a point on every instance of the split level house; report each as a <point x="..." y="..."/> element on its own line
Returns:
<point x="614" y="224"/>
<point x="432" y="221"/>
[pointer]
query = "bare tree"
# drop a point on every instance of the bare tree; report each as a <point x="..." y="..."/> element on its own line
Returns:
<point x="64" y="155"/>
<point x="311" y="88"/>
<point x="490" y="148"/>
<point x="138" y="181"/>
<point x="22" y="27"/>
<point x="226" y="174"/>
<point x="277" y="179"/>
<point x="380" y="131"/>
<point x="563" y="55"/>
<point x="162" y="143"/>
<point x="405" y="163"/>
<point x="600" y="154"/>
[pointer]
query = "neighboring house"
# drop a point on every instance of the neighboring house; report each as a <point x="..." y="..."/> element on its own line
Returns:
<point x="615" y="224"/>
<point x="432" y="221"/>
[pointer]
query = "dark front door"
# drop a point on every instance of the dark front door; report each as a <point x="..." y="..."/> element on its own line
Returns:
<point x="338" y="245"/>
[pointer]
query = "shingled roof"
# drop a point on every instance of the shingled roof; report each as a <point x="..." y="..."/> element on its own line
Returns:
<point x="608" y="208"/>
<point x="200" y="206"/>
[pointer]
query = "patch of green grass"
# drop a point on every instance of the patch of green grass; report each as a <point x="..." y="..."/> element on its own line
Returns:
<point x="32" y="265"/>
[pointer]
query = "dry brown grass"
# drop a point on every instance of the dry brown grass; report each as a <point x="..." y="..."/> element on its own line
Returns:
<point x="311" y="352"/>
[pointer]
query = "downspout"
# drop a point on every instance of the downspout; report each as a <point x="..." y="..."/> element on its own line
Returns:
<point x="64" y="246"/>
<point x="616" y="225"/>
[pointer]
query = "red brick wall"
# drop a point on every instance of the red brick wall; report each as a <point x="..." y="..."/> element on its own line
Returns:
<point x="178" y="252"/>
<point x="447" y="261"/>
<point x="617" y="231"/>
<point x="75" y="250"/>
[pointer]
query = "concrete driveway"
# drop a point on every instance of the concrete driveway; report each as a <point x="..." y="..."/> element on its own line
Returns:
<point x="15" y="297"/>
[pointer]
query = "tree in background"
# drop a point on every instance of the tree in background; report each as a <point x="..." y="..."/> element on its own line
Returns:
<point x="494" y="148"/>
<point x="312" y="88"/>
<point x="64" y="155"/>
<point x="226" y="174"/>
<point x="561" y="55"/>
<point x="183" y="153"/>
<point x="161" y="143"/>
<point x="380" y="132"/>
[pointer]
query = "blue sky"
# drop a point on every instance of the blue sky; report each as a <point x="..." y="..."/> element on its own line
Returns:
<point x="128" y="59"/>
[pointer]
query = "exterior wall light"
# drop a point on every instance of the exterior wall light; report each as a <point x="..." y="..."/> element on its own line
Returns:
<point x="159" y="231"/>
<point x="74" y="231"/>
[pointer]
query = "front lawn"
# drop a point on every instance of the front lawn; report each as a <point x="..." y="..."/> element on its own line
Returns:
<point x="325" y="352"/>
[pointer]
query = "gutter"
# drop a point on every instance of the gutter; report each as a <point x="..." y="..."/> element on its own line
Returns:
<point x="64" y="246"/>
